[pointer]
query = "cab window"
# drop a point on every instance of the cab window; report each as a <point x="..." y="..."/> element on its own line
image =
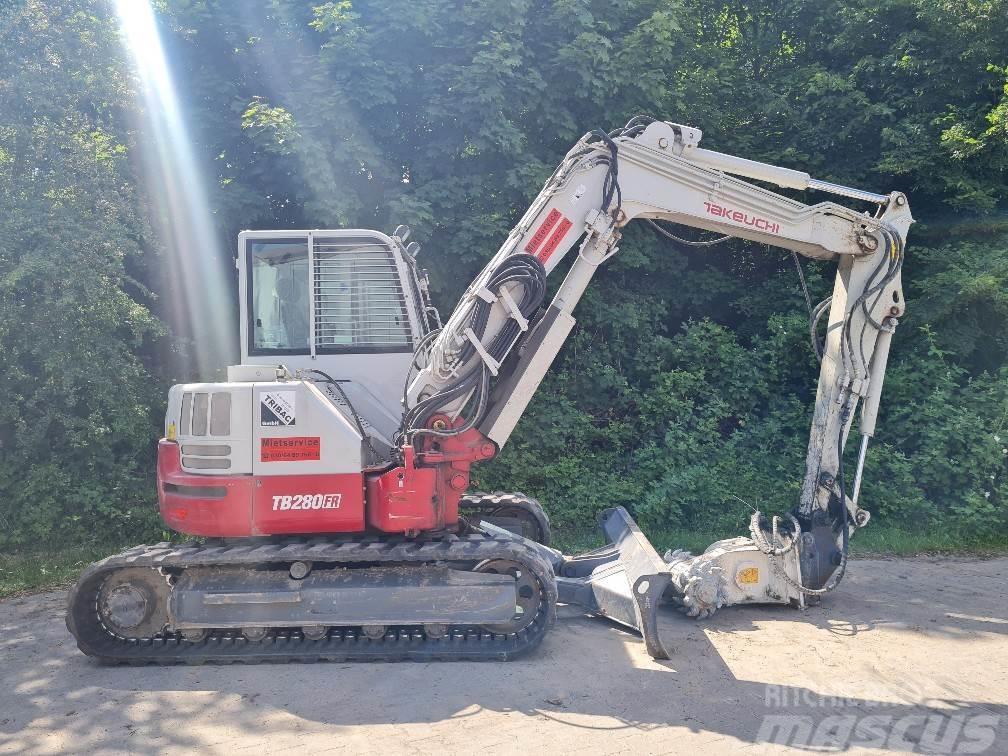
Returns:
<point x="278" y="296"/>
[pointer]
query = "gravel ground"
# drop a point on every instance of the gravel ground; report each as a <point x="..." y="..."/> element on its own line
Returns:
<point x="907" y="655"/>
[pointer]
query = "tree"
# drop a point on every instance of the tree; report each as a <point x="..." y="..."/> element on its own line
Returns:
<point x="687" y="384"/>
<point x="77" y="421"/>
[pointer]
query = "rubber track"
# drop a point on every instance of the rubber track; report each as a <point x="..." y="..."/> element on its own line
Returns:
<point x="291" y="646"/>
<point x="485" y="504"/>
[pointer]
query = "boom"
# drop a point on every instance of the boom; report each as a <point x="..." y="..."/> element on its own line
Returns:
<point x="656" y="170"/>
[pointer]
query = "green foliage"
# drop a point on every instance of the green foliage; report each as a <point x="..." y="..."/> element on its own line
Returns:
<point x="77" y="419"/>
<point x="686" y="390"/>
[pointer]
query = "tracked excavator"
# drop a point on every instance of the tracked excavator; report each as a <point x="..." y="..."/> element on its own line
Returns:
<point x="327" y="477"/>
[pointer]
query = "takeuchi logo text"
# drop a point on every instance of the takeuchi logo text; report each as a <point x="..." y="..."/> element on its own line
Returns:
<point x="738" y="216"/>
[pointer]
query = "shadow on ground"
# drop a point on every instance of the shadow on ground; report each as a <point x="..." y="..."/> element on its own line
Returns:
<point x="906" y="655"/>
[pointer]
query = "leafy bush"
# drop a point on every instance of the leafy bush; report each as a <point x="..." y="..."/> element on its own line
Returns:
<point x="686" y="390"/>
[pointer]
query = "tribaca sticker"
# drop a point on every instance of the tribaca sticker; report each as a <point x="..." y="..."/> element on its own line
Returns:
<point x="277" y="408"/>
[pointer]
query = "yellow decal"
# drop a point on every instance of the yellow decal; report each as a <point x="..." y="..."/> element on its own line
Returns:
<point x="749" y="575"/>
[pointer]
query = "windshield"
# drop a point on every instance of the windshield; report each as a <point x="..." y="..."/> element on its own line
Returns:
<point x="279" y="295"/>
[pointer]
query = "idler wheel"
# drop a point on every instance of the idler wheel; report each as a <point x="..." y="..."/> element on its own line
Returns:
<point x="132" y="602"/>
<point x="527" y="594"/>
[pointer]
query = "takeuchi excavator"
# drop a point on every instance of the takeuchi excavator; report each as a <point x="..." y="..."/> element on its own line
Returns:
<point x="327" y="478"/>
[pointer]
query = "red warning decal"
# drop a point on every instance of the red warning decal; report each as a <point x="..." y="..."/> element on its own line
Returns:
<point x="554" y="240"/>
<point x="543" y="231"/>
<point x="291" y="449"/>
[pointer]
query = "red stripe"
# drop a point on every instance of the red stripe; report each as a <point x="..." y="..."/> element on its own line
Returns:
<point x="543" y="230"/>
<point x="554" y="240"/>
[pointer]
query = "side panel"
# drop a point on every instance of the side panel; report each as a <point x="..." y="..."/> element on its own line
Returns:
<point x="234" y="506"/>
<point x="375" y="381"/>
<point x="308" y="504"/>
<point x="204" y="505"/>
<point x="297" y="431"/>
<point x="306" y="460"/>
<point x="269" y="458"/>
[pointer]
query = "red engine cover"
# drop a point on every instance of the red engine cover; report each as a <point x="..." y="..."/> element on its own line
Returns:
<point x="308" y="504"/>
<point x="256" y="505"/>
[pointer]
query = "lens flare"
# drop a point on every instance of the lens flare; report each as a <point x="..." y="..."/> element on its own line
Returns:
<point x="197" y="284"/>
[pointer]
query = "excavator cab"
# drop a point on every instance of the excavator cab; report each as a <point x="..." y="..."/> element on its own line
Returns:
<point x="351" y="303"/>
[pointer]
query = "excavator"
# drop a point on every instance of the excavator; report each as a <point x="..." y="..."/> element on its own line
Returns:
<point x="326" y="480"/>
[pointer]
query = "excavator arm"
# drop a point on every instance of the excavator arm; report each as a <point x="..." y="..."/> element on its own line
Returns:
<point x="482" y="369"/>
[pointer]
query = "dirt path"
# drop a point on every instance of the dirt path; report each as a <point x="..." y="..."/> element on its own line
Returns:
<point x="907" y="655"/>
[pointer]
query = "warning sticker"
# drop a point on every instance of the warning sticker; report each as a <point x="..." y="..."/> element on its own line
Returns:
<point x="748" y="575"/>
<point x="554" y="240"/>
<point x="277" y="408"/>
<point x="291" y="449"/>
<point x="543" y="231"/>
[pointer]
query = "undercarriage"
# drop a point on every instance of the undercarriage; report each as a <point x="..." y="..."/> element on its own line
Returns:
<point x="481" y="593"/>
<point x="453" y="597"/>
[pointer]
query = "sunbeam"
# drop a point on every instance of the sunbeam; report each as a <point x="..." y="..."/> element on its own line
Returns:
<point x="198" y="286"/>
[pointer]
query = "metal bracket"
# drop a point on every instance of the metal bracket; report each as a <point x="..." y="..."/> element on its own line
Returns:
<point x="597" y="222"/>
<point x="623" y="581"/>
<point x="513" y="307"/>
<point x="491" y="363"/>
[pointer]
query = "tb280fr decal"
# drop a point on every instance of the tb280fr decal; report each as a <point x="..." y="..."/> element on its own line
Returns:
<point x="305" y="502"/>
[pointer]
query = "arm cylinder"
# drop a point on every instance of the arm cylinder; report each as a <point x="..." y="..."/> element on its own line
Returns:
<point x="869" y="410"/>
<point x="774" y="174"/>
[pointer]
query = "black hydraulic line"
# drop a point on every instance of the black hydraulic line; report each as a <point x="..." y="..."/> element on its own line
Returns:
<point x="529" y="273"/>
<point x="357" y="420"/>
<point x="894" y="258"/>
<point x="817" y="313"/>
<point x="425" y="343"/>
<point x="669" y="235"/>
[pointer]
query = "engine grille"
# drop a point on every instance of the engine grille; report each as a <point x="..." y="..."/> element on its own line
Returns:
<point x="205" y="414"/>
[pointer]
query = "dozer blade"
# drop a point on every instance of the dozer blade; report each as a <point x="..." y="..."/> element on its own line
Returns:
<point x="623" y="580"/>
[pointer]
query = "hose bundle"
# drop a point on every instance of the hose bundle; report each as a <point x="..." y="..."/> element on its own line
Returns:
<point x="473" y="383"/>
